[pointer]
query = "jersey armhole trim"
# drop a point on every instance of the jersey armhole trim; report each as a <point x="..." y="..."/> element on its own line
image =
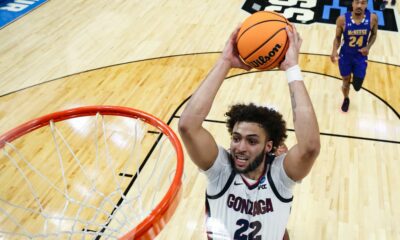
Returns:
<point x="227" y="185"/>
<point x="271" y="182"/>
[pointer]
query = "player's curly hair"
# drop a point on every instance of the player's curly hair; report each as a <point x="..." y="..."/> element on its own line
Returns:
<point x="270" y="120"/>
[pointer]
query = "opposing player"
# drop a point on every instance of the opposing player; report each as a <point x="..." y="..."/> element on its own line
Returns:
<point x="359" y="29"/>
<point x="249" y="192"/>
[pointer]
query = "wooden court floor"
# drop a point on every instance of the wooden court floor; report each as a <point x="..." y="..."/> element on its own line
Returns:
<point x="151" y="55"/>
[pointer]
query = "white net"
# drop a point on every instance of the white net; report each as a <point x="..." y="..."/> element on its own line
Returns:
<point x="84" y="178"/>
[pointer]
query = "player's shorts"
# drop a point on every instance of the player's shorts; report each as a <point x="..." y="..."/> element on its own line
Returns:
<point x="353" y="63"/>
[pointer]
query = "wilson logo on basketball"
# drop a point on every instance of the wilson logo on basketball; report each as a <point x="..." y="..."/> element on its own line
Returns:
<point x="262" y="60"/>
<point x="262" y="40"/>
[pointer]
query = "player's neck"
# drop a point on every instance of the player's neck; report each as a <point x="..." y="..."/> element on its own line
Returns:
<point x="256" y="173"/>
<point x="357" y="18"/>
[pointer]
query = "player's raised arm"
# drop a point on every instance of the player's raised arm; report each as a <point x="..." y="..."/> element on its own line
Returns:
<point x="301" y="157"/>
<point x="199" y="143"/>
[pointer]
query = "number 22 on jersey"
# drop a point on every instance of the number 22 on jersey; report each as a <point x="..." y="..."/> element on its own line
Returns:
<point x="244" y="233"/>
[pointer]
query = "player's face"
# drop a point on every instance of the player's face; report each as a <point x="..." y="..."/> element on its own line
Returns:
<point x="359" y="6"/>
<point x="248" y="146"/>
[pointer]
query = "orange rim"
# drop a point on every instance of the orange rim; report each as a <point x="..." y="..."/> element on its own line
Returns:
<point x="161" y="214"/>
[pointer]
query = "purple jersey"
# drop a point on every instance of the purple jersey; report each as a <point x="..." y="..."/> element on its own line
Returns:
<point x="355" y="36"/>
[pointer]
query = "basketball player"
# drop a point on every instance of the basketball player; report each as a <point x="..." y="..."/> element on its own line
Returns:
<point x="249" y="191"/>
<point x="359" y="29"/>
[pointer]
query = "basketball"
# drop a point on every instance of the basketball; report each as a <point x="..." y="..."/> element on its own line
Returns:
<point x="262" y="40"/>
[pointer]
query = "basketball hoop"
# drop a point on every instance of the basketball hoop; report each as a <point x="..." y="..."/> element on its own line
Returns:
<point x="121" y="192"/>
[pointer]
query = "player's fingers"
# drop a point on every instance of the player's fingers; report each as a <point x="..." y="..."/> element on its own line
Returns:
<point x="295" y="33"/>
<point x="246" y="67"/>
<point x="300" y="40"/>
<point x="235" y="33"/>
<point x="290" y="35"/>
<point x="237" y="29"/>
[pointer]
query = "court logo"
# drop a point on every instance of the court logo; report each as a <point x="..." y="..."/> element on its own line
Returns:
<point x="313" y="11"/>
<point x="11" y="10"/>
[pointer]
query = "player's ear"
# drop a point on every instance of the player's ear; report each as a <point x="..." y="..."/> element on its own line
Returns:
<point x="269" y="146"/>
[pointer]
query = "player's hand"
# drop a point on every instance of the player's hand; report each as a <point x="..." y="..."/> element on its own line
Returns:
<point x="334" y="57"/>
<point x="292" y="54"/>
<point x="231" y="54"/>
<point x="364" y="51"/>
<point x="281" y="149"/>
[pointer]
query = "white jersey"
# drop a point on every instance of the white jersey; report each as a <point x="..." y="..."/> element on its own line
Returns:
<point x="237" y="209"/>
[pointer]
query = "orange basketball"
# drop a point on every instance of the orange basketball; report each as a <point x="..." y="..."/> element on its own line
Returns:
<point x="262" y="40"/>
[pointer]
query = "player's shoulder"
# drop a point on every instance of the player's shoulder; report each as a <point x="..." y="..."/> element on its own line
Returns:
<point x="374" y="17"/>
<point x="341" y="20"/>
<point x="341" y="17"/>
<point x="277" y="162"/>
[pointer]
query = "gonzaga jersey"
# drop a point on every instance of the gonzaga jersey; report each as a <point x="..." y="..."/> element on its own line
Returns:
<point x="238" y="209"/>
<point x="355" y="36"/>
